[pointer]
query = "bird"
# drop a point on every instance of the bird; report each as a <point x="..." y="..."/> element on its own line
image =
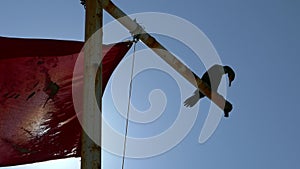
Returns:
<point x="212" y="77"/>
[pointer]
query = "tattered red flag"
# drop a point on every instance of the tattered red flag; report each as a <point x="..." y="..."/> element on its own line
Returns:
<point x="37" y="117"/>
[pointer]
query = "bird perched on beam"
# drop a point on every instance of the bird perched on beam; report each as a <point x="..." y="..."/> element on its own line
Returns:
<point x="212" y="77"/>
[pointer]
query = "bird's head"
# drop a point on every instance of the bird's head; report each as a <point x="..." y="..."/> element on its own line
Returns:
<point x="231" y="75"/>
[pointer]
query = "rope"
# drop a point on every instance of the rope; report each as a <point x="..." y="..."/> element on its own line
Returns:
<point x="128" y="105"/>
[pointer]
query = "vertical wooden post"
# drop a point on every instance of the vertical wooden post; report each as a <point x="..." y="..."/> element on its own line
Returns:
<point x="90" y="150"/>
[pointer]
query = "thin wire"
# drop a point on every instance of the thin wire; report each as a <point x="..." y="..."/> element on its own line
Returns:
<point x="128" y="107"/>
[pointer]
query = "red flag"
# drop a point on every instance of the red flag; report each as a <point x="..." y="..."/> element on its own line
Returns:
<point x="37" y="117"/>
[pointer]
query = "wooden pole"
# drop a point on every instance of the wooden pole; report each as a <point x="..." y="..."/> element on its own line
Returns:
<point x="90" y="150"/>
<point x="168" y="57"/>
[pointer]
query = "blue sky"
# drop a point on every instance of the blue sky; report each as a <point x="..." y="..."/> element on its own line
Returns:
<point x="259" y="39"/>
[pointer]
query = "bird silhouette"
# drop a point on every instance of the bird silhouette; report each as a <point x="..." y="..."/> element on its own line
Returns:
<point x="212" y="77"/>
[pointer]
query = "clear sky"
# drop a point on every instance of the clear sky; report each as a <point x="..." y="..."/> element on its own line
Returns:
<point x="260" y="40"/>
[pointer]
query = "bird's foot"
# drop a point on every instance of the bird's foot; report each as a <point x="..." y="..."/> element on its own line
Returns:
<point x="226" y="114"/>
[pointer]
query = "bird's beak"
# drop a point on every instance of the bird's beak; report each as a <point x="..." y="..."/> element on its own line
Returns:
<point x="229" y="83"/>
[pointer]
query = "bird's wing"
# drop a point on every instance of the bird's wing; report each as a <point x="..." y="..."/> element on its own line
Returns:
<point x="213" y="76"/>
<point x="191" y="101"/>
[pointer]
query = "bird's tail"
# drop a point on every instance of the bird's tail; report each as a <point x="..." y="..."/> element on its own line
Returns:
<point x="191" y="101"/>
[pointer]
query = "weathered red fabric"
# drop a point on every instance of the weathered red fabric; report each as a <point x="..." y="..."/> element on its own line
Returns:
<point x="37" y="117"/>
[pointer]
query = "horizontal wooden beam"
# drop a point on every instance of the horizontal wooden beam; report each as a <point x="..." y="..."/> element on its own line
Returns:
<point x="168" y="57"/>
